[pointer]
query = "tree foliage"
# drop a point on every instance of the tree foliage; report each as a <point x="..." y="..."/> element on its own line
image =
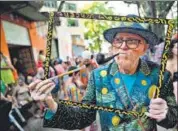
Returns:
<point x="176" y="23"/>
<point x="154" y="9"/>
<point x="96" y="28"/>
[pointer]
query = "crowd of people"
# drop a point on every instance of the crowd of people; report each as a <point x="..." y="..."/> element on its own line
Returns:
<point x="14" y="85"/>
<point x="18" y="98"/>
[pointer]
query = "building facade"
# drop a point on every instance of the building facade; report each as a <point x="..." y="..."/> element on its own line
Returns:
<point x="21" y="39"/>
<point x="68" y="37"/>
<point x="70" y="33"/>
<point x="49" y="6"/>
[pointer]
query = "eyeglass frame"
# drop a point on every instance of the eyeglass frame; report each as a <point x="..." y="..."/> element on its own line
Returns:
<point x="139" y="41"/>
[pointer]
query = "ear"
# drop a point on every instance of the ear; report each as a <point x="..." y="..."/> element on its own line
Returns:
<point x="146" y="46"/>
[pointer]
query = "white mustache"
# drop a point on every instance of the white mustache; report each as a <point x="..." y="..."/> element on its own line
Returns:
<point x="124" y="54"/>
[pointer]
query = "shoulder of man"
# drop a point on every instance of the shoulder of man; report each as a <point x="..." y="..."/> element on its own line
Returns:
<point x="154" y="66"/>
<point x="103" y="67"/>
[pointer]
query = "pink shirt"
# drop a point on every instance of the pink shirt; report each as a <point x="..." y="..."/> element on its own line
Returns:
<point x="59" y="69"/>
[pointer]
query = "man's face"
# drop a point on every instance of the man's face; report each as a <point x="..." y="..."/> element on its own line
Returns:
<point x="131" y="51"/>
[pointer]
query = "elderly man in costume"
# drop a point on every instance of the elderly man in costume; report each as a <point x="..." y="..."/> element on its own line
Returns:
<point x="128" y="83"/>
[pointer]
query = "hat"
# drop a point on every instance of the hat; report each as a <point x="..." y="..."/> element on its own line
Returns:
<point x="59" y="61"/>
<point x="133" y="28"/>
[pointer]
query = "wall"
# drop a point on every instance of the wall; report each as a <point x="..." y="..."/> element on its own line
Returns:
<point x="38" y="42"/>
<point x="77" y="50"/>
<point x="3" y="44"/>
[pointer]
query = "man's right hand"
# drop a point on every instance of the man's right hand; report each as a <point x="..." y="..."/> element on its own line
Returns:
<point x="41" y="91"/>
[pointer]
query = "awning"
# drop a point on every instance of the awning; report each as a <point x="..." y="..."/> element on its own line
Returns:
<point x="27" y="9"/>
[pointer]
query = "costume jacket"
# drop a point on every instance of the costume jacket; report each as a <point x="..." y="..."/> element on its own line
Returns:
<point x="107" y="88"/>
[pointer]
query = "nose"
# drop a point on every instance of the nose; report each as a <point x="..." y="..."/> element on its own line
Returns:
<point x="124" y="46"/>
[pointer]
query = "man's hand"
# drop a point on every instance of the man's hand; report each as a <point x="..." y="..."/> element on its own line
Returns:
<point x="41" y="91"/>
<point x="158" y="109"/>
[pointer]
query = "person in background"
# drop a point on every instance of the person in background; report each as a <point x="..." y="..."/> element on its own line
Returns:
<point x="51" y="70"/>
<point x="5" y="108"/>
<point x="40" y="74"/>
<point x="85" y="73"/>
<point x="6" y="70"/>
<point x="93" y="63"/>
<point x="73" y="86"/>
<point x="172" y="64"/>
<point x="72" y="61"/>
<point x="19" y="69"/>
<point x="65" y="65"/>
<point x="41" y="59"/>
<point x="15" y="112"/>
<point x="22" y="94"/>
<point x="68" y="58"/>
<point x="59" y="67"/>
<point x="77" y="61"/>
<point x="18" y="65"/>
<point x="2" y="87"/>
<point x="59" y="61"/>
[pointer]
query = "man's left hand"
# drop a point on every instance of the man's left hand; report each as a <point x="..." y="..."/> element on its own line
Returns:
<point x="157" y="109"/>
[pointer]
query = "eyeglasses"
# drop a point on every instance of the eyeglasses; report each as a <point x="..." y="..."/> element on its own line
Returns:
<point x="130" y="43"/>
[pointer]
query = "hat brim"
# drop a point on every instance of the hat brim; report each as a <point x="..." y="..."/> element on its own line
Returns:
<point x="150" y="37"/>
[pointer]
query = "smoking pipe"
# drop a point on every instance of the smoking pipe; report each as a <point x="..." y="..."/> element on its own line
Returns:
<point x="100" y="58"/>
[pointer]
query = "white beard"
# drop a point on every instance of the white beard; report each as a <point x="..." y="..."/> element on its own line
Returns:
<point x="126" y="65"/>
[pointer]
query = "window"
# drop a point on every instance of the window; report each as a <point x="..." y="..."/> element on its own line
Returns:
<point x="72" y="23"/>
<point x="46" y="3"/>
<point x="13" y="36"/>
<point x="70" y="6"/>
<point x="50" y="4"/>
<point x="76" y="39"/>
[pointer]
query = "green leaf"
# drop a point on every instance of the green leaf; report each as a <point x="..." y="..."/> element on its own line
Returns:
<point x="96" y="28"/>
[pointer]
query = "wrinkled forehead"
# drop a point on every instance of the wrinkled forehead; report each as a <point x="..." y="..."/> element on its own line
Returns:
<point x="128" y="35"/>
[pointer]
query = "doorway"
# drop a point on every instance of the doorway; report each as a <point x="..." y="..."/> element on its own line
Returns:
<point x="25" y="57"/>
